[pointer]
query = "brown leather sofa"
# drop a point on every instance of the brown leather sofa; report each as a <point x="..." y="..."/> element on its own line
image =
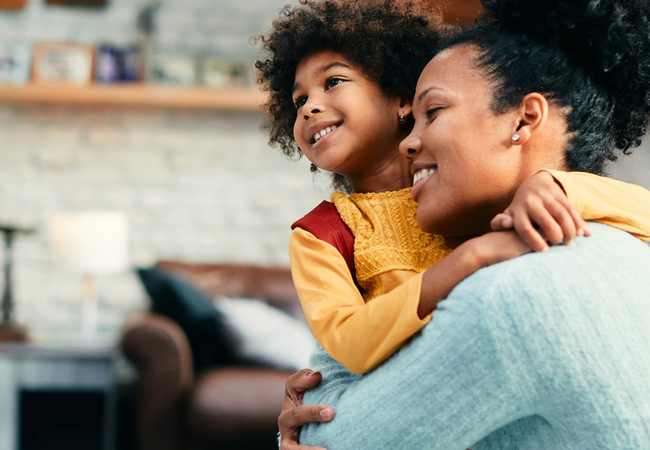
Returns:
<point x="223" y="408"/>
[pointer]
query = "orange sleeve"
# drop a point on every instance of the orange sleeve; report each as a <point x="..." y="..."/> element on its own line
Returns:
<point x="621" y="205"/>
<point x="359" y="335"/>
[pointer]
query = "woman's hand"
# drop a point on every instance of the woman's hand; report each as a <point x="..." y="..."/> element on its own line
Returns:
<point x="294" y="414"/>
<point x="541" y="212"/>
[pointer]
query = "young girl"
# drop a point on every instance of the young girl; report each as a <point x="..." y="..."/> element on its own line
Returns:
<point x="341" y="77"/>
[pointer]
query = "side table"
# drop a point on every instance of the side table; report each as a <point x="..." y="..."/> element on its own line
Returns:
<point x="27" y="369"/>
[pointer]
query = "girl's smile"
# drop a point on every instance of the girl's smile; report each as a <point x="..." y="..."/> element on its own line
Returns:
<point x="322" y="130"/>
<point x="345" y="123"/>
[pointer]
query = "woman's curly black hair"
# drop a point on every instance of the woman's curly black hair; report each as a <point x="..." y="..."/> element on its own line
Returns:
<point x="391" y="41"/>
<point x="590" y="56"/>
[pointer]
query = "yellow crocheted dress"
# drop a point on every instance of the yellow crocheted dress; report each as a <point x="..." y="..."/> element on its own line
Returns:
<point x="389" y="247"/>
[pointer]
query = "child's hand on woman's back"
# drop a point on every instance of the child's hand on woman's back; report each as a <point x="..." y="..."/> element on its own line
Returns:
<point x="493" y="248"/>
<point x="541" y="213"/>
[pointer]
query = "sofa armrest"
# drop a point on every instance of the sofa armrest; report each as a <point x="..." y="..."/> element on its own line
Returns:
<point x="161" y="352"/>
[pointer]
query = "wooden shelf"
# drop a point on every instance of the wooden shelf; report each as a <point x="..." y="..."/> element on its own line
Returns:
<point x="136" y="94"/>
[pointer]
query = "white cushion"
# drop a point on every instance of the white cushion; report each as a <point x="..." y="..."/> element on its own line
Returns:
<point x="267" y="334"/>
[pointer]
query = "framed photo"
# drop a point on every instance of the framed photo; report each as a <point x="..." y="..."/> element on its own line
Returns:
<point x="63" y="64"/>
<point x="15" y="63"/>
<point x="220" y="73"/>
<point x="174" y="70"/>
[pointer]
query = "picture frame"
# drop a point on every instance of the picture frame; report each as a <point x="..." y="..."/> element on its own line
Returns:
<point x="174" y="70"/>
<point x="15" y="64"/>
<point x="65" y="64"/>
<point x="223" y="74"/>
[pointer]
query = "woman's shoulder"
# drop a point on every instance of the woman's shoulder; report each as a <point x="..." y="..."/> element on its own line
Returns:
<point x="601" y="266"/>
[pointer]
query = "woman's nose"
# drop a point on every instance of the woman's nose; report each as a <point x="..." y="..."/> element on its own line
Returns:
<point x="410" y="146"/>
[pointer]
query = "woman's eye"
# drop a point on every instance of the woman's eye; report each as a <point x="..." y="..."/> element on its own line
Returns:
<point x="331" y="82"/>
<point x="300" y="101"/>
<point x="430" y="113"/>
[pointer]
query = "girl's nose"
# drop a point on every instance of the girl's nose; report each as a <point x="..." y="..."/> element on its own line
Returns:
<point x="312" y="106"/>
<point x="410" y="146"/>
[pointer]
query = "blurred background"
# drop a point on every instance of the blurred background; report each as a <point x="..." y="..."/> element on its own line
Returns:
<point x="142" y="116"/>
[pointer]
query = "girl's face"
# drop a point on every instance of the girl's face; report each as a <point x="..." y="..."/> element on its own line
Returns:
<point x="463" y="152"/>
<point x="346" y="124"/>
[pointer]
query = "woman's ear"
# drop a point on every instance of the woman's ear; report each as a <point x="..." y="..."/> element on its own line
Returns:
<point x="531" y="118"/>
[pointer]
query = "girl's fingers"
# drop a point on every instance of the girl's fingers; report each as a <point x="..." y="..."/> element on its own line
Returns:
<point x="501" y="222"/>
<point x="527" y="232"/>
<point x="564" y="220"/>
<point x="582" y="229"/>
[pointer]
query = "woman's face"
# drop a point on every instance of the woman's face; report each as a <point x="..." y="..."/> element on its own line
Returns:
<point x="465" y="166"/>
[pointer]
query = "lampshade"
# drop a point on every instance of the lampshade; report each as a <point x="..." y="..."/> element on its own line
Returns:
<point x="91" y="242"/>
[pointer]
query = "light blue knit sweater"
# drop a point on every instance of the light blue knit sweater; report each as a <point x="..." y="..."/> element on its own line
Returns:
<point x="548" y="351"/>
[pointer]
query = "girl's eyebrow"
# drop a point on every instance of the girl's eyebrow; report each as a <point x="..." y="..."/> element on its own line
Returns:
<point x="322" y="69"/>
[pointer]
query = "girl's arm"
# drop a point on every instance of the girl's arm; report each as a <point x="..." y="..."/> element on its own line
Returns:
<point x="357" y="334"/>
<point x="611" y="202"/>
<point x="360" y="335"/>
<point x="552" y="206"/>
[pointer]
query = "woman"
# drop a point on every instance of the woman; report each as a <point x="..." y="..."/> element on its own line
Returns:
<point x="546" y="351"/>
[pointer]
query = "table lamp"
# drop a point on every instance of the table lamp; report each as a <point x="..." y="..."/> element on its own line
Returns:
<point x="91" y="243"/>
<point x="9" y="331"/>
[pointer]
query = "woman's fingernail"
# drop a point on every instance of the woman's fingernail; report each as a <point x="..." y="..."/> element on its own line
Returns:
<point x="326" y="413"/>
<point x="315" y="372"/>
<point x="581" y="232"/>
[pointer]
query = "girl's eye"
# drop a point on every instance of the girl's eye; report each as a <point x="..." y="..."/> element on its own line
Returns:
<point x="331" y="82"/>
<point x="300" y="101"/>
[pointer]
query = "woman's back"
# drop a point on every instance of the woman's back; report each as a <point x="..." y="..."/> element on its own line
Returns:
<point x="535" y="353"/>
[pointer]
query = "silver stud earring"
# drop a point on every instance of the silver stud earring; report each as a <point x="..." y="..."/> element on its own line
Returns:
<point x="402" y="120"/>
<point x="515" y="137"/>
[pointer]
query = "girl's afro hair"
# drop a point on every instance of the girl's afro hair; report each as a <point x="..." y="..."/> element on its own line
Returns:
<point x="390" y="40"/>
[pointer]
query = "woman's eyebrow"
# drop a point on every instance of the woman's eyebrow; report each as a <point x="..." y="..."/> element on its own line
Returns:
<point x="426" y="91"/>
<point x="322" y="69"/>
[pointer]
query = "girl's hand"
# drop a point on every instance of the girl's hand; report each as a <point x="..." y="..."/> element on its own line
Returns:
<point x="541" y="212"/>
<point x="294" y="414"/>
<point x="482" y="251"/>
<point x="493" y="248"/>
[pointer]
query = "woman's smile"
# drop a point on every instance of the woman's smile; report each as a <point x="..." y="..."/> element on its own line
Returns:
<point x="420" y="177"/>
